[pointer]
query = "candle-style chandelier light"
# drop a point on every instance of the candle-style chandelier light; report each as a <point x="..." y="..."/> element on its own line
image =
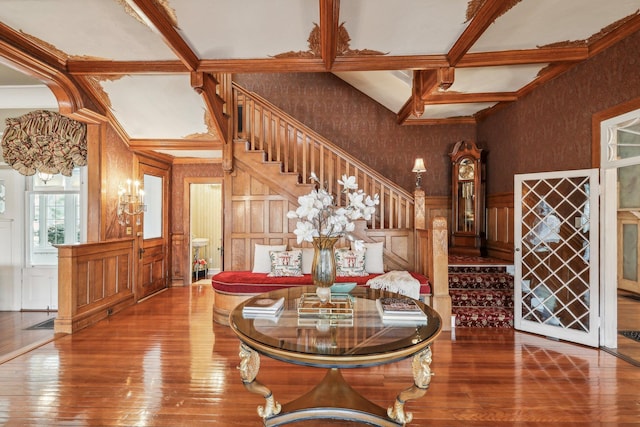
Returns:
<point x="130" y="201"/>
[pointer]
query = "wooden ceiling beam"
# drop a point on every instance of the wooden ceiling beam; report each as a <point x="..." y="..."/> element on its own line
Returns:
<point x="265" y="65"/>
<point x="614" y="36"/>
<point x="329" y="15"/>
<point x="434" y="122"/>
<point x="544" y="76"/>
<point x="174" y="144"/>
<point x="424" y="83"/>
<point x="486" y="14"/>
<point x="527" y="56"/>
<point x="205" y="84"/>
<point x="21" y="53"/>
<point x="158" y="22"/>
<point x="102" y="67"/>
<point x="468" y="98"/>
<point x="383" y="63"/>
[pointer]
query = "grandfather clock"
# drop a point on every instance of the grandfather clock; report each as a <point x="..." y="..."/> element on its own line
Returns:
<point x="467" y="198"/>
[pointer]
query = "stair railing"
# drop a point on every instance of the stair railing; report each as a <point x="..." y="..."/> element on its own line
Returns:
<point x="301" y="150"/>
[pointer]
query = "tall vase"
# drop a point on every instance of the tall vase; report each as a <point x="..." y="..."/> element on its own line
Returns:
<point x="323" y="269"/>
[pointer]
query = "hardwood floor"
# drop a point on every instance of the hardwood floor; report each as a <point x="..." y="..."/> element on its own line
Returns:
<point x="16" y="338"/>
<point x="163" y="362"/>
<point x="628" y="320"/>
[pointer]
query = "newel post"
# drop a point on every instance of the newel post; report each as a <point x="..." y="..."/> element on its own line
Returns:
<point x="440" y="271"/>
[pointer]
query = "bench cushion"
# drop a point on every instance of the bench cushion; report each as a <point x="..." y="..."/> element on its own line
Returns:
<point x="246" y="282"/>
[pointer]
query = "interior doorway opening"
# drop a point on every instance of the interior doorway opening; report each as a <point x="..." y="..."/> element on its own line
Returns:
<point x="205" y="212"/>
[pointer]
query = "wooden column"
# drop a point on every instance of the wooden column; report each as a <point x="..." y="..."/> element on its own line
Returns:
<point x="420" y="223"/>
<point x="440" y="271"/>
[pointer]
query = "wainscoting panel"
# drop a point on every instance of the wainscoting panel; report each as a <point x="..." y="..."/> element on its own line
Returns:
<point x="95" y="281"/>
<point x="500" y="226"/>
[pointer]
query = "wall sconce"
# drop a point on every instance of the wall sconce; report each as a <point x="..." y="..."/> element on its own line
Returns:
<point x="419" y="168"/>
<point x="130" y="202"/>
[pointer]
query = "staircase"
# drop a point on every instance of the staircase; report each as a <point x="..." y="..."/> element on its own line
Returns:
<point x="481" y="295"/>
<point x="270" y="158"/>
<point x="297" y="150"/>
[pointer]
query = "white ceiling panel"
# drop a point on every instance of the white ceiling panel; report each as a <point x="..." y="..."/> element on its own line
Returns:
<point x="495" y="79"/>
<point x="22" y="96"/>
<point x="95" y="28"/>
<point x="532" y="24"/>
<point x="384" y="87"/>
<point x="107" y="42"/>
<point x="157" y="106"/>
<point x="404" y="27"/>
<point x="447" y="111"/>
<point x="196" y="154"/>
<point x="242" y="29"/>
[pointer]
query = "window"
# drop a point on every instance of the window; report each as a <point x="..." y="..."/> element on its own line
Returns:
<point x="54" y="209"/>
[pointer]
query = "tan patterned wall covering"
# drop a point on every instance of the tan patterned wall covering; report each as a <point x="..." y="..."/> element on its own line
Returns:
<point x="117" y="166"/>
<point x="363" y="127"/>
<point x="206" y="220"/>
<point x="550" y="129"/>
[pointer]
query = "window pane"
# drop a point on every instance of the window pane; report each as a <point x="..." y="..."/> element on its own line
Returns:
<point x="55" y="221"/>
<point x="629" y="141"/>
<point x="152" y="226"/>
<point x="628" y="183"/>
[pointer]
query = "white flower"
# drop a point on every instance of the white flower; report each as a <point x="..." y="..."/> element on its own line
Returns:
<point x="358" y="245"/>
<point x="305" y="231"/>
<point x="348" y="182"/>
<point x="320" y="217"/>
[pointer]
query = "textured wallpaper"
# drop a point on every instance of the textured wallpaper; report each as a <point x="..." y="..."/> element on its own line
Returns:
<point x="362" y="127"/>
<point x="550" y="129"/>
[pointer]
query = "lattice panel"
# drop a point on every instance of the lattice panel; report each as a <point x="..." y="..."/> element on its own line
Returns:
<point x="555" y="247"/>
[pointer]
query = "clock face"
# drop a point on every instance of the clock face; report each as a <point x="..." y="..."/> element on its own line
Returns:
<point x="466" y="169"/>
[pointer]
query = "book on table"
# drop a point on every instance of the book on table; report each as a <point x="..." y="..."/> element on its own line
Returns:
<point x="400" y="309"/>
<point x="263" y="307"/>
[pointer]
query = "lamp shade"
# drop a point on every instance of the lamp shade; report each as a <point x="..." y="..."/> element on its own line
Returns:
<point x="418" y="166"/>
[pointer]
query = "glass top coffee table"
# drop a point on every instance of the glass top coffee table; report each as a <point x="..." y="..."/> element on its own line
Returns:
<point x="333" y="339"/>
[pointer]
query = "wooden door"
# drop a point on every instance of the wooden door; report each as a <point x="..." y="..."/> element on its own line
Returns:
<point x="153" y="239"/>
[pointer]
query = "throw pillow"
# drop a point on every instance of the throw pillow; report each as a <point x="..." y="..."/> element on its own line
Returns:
<point x="307" y="259"/>
<point x="373" y="261"/>
<point x="285" y="263"/>
<point x="261" y="259"/>
<point x="350" y="263"/>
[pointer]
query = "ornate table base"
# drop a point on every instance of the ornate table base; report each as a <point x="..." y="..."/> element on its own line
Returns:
<point x="333" y="397"/>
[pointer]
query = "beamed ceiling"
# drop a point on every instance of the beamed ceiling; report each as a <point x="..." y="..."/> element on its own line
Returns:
<point x="148" y="64"/>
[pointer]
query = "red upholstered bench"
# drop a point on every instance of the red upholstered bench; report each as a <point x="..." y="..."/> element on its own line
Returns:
<point x="233" y="287"/>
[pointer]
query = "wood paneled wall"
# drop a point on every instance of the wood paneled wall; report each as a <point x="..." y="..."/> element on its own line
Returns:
<point x="500" y="222"/>
<point x="256" y="212"/>
<point x="95" y="280"/>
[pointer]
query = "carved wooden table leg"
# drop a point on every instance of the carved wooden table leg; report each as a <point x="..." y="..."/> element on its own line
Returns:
<point x="421" y="367"/>
<point x="249" y="367"/>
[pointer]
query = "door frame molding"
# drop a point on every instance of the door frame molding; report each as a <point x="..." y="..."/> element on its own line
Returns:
<point x="186" y="217"/>
<point x="608" y="220"/>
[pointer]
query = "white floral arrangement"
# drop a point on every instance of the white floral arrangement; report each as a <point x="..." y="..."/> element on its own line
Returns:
<point x="320" y="217"/>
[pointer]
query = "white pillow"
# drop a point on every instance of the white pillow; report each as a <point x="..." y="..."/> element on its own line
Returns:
<point x="261" y="258"/>
<point x="307" y="259"/>
<point x="374" y="260"/>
